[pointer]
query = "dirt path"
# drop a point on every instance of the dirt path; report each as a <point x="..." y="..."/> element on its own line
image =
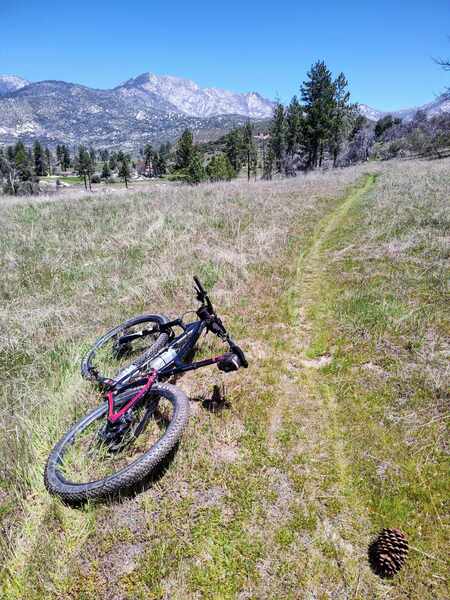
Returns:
<point x="336" y="539"/>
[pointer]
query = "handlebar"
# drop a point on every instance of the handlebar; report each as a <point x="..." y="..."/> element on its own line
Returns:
<point x="214" y="323"/>
<point x="202" y="295"/>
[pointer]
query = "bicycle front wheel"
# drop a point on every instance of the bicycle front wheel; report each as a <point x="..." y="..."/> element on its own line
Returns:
<point x="91" y="462"/>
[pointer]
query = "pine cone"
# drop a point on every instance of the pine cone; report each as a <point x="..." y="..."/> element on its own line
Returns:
<point x="388" y="552"/>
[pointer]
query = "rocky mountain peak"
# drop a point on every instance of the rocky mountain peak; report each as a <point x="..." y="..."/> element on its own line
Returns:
<point x="11" y="83"/>
<point x="189" y="98"/>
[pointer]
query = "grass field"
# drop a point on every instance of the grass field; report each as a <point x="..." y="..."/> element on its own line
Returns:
<point x="335" y="284"/>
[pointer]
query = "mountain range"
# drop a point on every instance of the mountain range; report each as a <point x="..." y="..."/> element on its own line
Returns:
<point x="431" y="109"/>
<point x="147" y="108"/>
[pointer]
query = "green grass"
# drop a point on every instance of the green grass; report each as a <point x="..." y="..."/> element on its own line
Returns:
<point x="277" y="492"/>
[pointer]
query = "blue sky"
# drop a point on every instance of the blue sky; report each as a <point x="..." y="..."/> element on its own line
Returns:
<point x="384" y="48"/>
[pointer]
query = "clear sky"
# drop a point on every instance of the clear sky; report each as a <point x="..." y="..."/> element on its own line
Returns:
<point x="385" y="48"/>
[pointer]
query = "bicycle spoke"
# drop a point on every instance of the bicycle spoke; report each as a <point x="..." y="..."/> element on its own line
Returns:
<point x="93" y="456"/>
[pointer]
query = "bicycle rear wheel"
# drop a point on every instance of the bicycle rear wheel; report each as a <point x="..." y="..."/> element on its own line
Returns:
<point x="135" y="341"/>
<point x="87" y="463"/>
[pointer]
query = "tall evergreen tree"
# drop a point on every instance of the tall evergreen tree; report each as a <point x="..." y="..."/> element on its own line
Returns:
<point x="278" y="137"/>
<point x="164" y="150"/>
<point x="93" y="154"/>
<point x="124" y="167"/>
<point x="84" y="166"/>
<point x="249" y="149"/>
<point x="318" y="102"/>
<point x="149" y="159"/>
<point x="293" y="126"/>
<point x="234" y="149"/>
<point x="8" y="171"/>
<point x="185" y="150"/>
<point x="39" y="160"/>
<point x="23" y="161"/>
<point x="196" y="171"/>
<point x="113" y="161"/>
<point x="160" y="167"/>
<point x="343" y="116"/>
<point x="48" y="161"/>
<point x="59" y="155"/>
<point x="268" y="163"/>
<point x="66" y="158"/>
<point x="106" y="171"/>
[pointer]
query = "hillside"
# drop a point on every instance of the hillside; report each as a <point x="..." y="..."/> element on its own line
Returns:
<point x="11" y="83"/>
<point x="334" y="284"/>
<point x="148" y="108"/>
<point x="145" y="109"/>
<point x="431" y="109"/>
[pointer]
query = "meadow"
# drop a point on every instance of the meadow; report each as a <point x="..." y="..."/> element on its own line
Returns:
<point x="335" y="284"/>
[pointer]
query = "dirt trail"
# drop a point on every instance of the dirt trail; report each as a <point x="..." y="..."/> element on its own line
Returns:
<point x="307" y="406"/>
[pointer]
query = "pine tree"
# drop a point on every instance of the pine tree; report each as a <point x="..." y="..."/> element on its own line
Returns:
<point x="293" y="126"/>
<point x="234" y="149"/>
<point x="9" y="171"/>
<point x="66" y="162"/>
<point x="249" y="150"/>
<point x="59" y="155"/>
<point x="343" y="116"/>
<point x="196" y="171"/>
<point x="278" y="137"/>
<point x="268" y="163"/>
<point x="149" y="159"/>
<point x="106" y="171"/>
<point x="113" y="161"/>
<point x="160" y="165"/>
<point x="93" y="155"/>
<point x="185" y="150"/>
<point x="318" y="101"/>
<point x="219" y="168"/>
<point x="124" y="167"/>
<point x="23" y="162"/>
<point x="83" y="166"/>
<point x="48" y="161"/>
<point x="39" y="160"/>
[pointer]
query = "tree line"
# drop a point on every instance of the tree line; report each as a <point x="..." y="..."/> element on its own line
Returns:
<point x="21" y="167"/>
<point x="311" y="130"/>
<point x="301" y="136"/>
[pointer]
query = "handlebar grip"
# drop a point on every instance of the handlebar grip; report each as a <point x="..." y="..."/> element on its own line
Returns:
<point x="199" y="285"/>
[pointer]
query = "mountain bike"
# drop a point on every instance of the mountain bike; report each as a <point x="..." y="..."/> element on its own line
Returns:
<point x="142" y="418"/>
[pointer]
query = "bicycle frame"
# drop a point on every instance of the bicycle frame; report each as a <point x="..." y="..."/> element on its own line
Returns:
<point x="183" y="344"/>
<point x="190" y="335"/>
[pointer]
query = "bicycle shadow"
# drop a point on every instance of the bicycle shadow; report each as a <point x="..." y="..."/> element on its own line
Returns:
<point x="130" y="492"/>
<point x="216" y="403"/>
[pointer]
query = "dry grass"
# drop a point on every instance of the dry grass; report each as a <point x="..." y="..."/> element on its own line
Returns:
<point x="272" y="493"/>
<point x="72" y="268"/>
